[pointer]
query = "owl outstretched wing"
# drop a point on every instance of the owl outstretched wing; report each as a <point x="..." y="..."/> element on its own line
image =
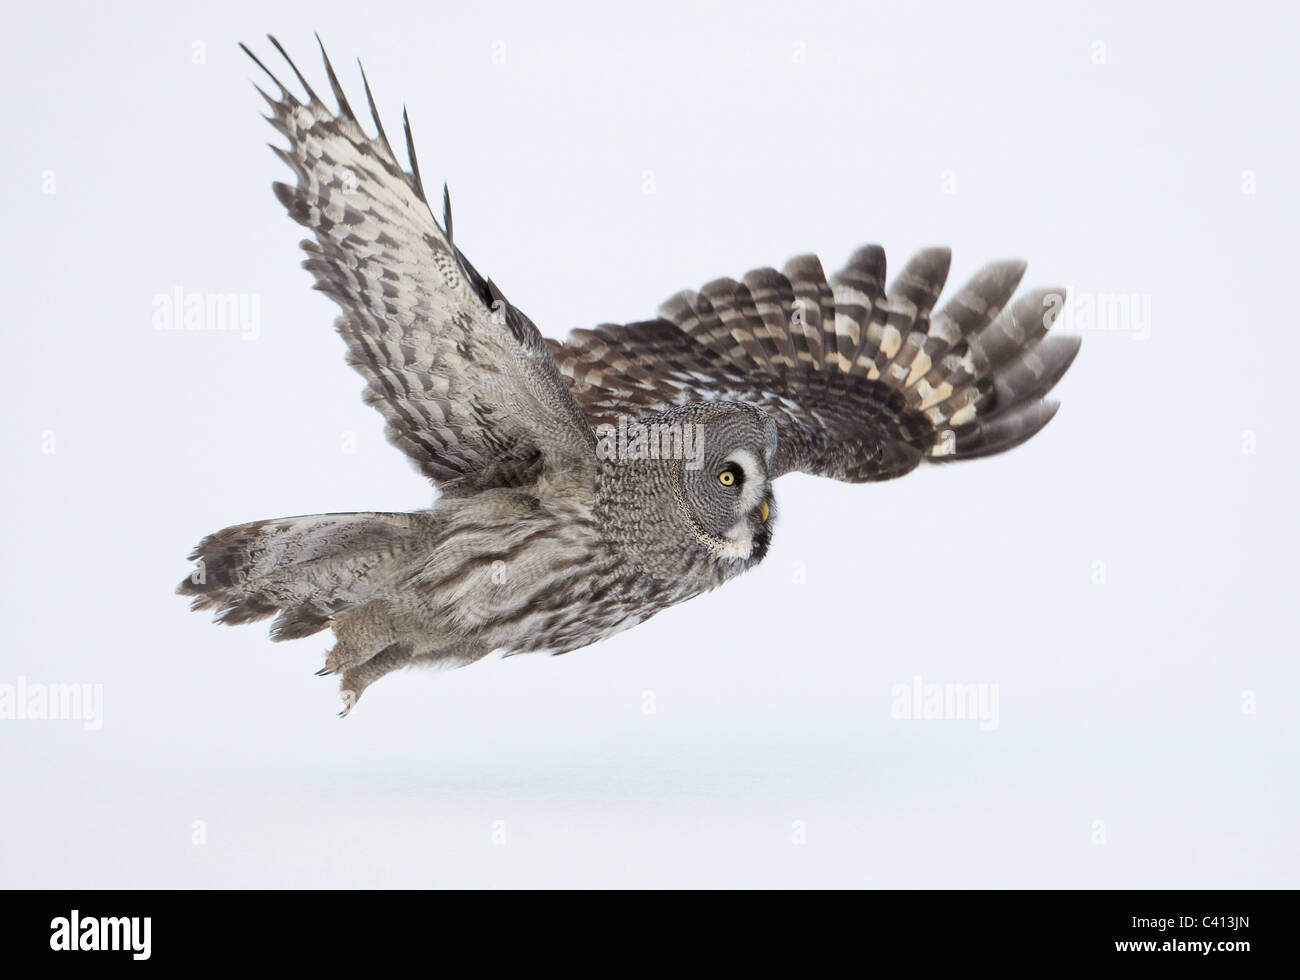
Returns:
<point x="463" y="379"/>
<point x="864" y="382"/>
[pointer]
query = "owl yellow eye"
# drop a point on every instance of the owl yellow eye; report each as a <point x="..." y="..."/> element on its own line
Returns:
<point x="727" y="478"/>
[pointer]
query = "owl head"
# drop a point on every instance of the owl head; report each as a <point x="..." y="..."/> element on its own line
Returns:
<point x="724" y="486"/>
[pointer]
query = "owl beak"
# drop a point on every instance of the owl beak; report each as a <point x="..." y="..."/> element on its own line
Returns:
<point x="763" y="511"/>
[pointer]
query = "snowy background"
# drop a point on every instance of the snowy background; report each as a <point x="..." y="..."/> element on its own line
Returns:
<point x="1126" y="580"/>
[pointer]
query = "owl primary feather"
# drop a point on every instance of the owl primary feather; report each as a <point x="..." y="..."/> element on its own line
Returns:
<point x="586" y="485"/>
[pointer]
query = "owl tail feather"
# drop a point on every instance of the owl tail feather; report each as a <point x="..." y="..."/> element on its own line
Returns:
<point x="329" y="570"/>
<point x="309" y="570"/>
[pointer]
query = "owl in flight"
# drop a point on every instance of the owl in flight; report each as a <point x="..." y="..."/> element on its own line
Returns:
<point x="587" y="485"/>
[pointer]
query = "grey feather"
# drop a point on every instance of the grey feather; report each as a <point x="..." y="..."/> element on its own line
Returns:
<point x="553" y="530"/>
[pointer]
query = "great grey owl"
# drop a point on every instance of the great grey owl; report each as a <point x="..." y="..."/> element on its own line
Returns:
<point x="587" y="485"/>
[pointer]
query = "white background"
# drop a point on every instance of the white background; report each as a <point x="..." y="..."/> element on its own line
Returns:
<point x="1107" y="143"/>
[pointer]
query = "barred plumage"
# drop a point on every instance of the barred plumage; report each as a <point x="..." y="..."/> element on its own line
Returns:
<point x="863" y="383"/>
<point x="550" y="532"/>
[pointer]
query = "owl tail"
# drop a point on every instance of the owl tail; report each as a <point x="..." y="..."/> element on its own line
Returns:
<point x="335" y="570"/>
<point x="308" y="570"/>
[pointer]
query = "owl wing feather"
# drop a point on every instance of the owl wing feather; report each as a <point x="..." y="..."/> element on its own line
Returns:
<point x="463" y="379"/>
<point x="864" y="383"/>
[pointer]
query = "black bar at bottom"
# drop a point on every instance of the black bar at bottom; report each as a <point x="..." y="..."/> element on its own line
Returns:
<point x="143" y="930"/>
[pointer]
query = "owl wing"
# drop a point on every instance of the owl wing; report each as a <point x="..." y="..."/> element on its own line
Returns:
<point x="463" y="379"/>
<point x="864" y="383"/>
